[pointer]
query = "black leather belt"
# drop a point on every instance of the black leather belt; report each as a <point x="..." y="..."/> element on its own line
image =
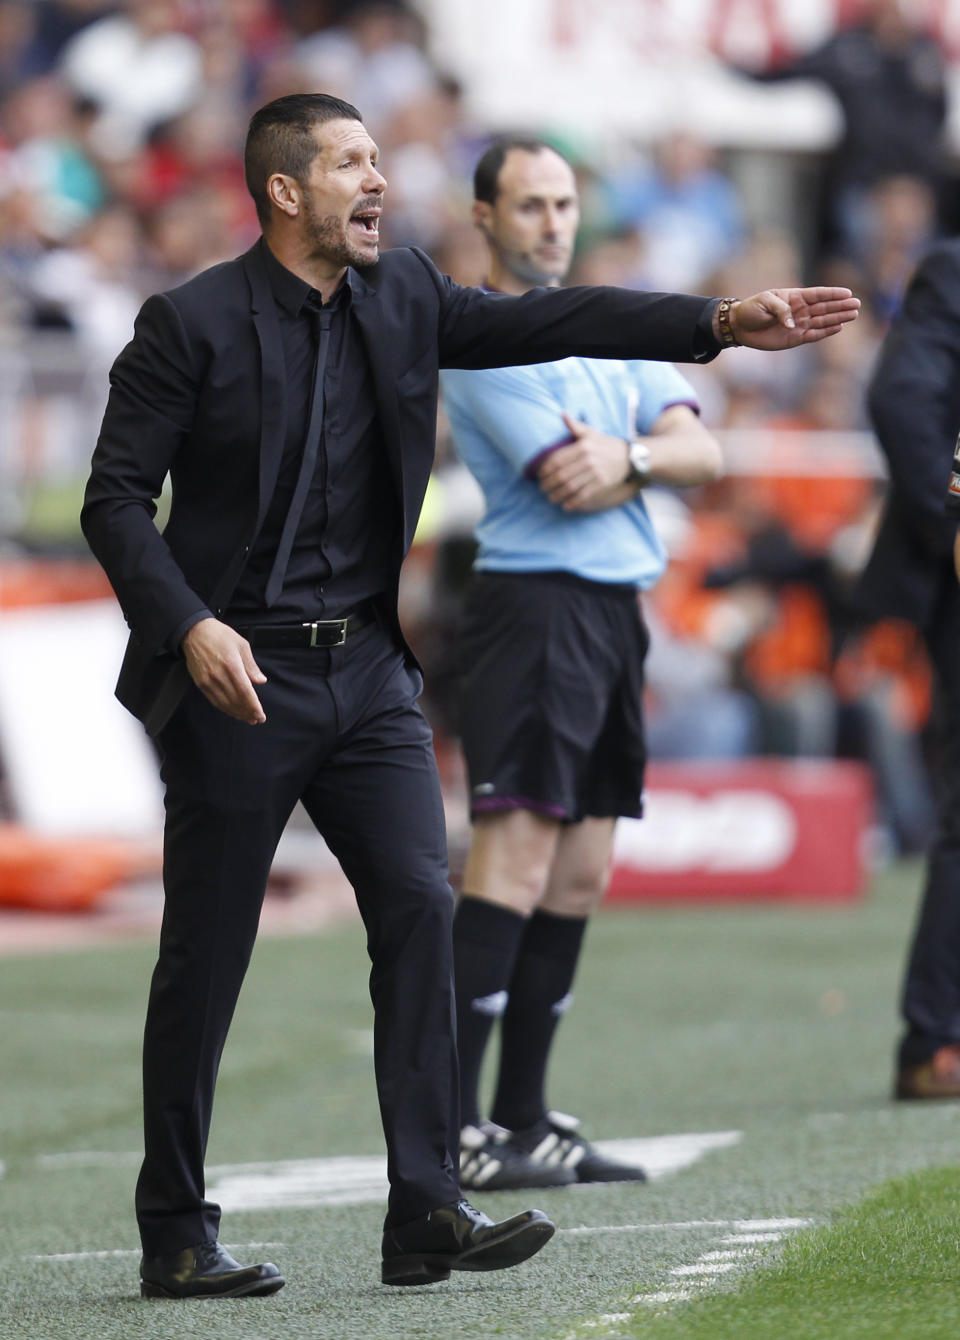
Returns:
<point x="320" y="633"/>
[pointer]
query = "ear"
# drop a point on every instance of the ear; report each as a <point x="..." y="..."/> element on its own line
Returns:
<point x="284" y="193"/>
<point x="483" y="216"/>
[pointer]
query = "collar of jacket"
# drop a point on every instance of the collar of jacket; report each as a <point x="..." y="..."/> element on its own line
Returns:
<point x="273" y="383"/>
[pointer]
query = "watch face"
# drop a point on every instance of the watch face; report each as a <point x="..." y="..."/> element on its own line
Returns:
<point x="640" y="461"/>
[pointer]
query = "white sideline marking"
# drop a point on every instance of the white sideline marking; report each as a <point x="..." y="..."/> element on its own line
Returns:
<point x="85" y="1256"/>
<point x="348" y="1180"/>
<point x="709" y="1265"/>
<point x="745" y="1225"/>
<point x="3" y="1168"/>
<point x="662" y="1154"/>
<point x="88" y="1158"/>
<point x="704" y="1268"/>
<point x="586" y="1229"/>
<point x="301" y="1183"/>
<point x="135" y="1251"/>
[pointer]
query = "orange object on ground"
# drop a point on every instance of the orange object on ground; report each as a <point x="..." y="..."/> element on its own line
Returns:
<point x="25" y="582"/>
<point x="63" y="874"/>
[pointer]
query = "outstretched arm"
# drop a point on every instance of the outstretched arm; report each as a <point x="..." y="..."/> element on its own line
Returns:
<point x="486" y="330"/>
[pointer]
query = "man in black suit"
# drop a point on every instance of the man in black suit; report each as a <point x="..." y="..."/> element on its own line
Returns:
<point x="914" y="401"/>
<point x="291" y="397"/>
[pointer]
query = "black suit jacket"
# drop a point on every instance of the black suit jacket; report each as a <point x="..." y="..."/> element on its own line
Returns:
<point x="914" y="401"/>
<point x="199" y="394"/>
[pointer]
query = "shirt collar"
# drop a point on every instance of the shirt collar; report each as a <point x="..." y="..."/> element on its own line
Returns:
<point x="291" y="292"/>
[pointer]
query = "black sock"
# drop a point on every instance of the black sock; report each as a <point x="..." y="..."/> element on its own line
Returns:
<point x="539" y="996"/>
<point x="485" y="941"/>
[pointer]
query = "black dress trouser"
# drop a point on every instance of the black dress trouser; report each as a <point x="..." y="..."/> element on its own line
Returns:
<point x="343" y="734"/>
<point x="931" y="992"/>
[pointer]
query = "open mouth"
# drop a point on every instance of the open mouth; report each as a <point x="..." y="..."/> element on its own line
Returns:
<point x="368" y="222"/>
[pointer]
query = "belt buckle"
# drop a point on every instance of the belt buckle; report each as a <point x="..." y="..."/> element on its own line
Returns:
<point x="328" y="623"/>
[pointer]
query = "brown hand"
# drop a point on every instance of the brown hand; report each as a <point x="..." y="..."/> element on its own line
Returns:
<point x="221" y="665"/>
<point x="592" y="463"/>
<point x="782" y="318"/>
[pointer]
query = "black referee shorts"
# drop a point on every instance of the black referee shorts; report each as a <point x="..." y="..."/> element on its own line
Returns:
<point x="551" y="702"/>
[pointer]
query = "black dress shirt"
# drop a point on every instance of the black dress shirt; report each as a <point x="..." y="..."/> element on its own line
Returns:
<point x="341" y="554"/>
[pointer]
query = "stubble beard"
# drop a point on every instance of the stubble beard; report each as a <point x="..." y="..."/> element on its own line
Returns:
<point x="330" y="242"/>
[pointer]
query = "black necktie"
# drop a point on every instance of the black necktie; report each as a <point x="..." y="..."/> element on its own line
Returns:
<point x="320" y="318"/>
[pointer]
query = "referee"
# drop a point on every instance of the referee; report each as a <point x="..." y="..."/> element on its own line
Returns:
<point x="552" y="646"/>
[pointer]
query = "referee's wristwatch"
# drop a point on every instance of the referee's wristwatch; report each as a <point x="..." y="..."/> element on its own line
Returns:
<point x="638" y="454"/>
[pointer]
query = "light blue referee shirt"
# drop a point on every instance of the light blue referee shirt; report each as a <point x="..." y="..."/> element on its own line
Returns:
<point x="505" y="419"/>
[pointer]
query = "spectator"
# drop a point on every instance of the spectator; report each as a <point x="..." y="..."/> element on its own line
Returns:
<point x="899" y="226"/>
<point x="17" y="27"/>
<point x="139" y="67"/>
<point x="687" y="213"/>
<point x="373" y="57"/>
<point x="53" y="24"/>
<point x="888" y="76"/>
<point x="46" y="132"/>
<point x="93" y="282"/>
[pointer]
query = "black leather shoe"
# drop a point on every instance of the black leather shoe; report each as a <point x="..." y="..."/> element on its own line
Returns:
<point x="458" y="1237"/>
<point x="205" y="1271"/>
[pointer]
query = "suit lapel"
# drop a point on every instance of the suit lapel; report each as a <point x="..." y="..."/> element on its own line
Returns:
<point x="273" y="381"/>
<point x="382" y="360"/>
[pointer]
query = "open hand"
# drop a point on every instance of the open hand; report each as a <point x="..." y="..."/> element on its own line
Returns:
<point x="782" y="318"/>
<point x="221" y="665"/>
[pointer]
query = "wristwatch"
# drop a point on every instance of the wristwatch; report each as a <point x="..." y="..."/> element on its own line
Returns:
<point x="638" y="454"/>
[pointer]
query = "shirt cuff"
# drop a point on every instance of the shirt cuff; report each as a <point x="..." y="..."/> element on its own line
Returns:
<point x="532" y="467"/>
<point x="176" y="637"/>
<point x="706" y="346"/>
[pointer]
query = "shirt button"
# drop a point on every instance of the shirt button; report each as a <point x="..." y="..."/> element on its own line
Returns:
<point x="319" y="590"/>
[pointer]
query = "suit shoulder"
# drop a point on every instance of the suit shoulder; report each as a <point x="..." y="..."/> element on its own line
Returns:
<point x="213" y="286"/>
<point x="407" y="265"/>
<point x="943" y="258"/>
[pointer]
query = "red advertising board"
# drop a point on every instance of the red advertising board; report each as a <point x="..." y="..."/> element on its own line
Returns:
<point x="755" y="829"/>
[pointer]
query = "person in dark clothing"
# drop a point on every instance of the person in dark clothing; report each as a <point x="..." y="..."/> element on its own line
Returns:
<point x="889" y="78"/>
<point x="914" y="401"/>
<point x="290" y="395"/>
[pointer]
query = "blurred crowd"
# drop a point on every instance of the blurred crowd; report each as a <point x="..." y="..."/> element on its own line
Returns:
<point x="121" y="130"/>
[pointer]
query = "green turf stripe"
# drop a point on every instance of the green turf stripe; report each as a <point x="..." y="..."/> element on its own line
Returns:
<point x="887" y="1268"/>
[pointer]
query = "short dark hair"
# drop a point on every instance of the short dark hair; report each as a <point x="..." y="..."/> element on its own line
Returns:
<point x="280" y="139"/>
<point x="486" y="175"/>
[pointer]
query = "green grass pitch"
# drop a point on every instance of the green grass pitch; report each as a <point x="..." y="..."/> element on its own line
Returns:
<point x="775" y="1022"/>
